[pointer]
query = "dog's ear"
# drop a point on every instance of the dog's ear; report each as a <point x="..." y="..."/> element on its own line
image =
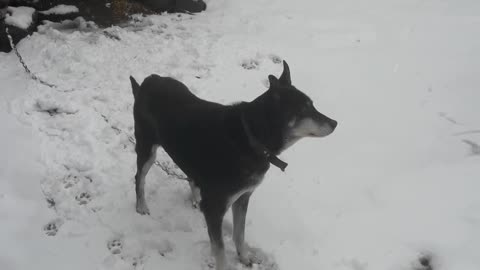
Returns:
<point x="285" y="77"/>
<point x="274" y="82"/>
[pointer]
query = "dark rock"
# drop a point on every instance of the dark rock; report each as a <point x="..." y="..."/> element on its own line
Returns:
<point x="189" y="6"/>
<point x="25" y="3"/>
<point x="16" y="33"/>
<point x="3" y="4"/>
<point x="159" y="5"/>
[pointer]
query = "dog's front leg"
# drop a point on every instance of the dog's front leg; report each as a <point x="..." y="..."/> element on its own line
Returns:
<point x="214" y="213"/>
<point x="239" y="210"/>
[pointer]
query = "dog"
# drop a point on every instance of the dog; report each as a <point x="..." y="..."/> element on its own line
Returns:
<point x="225" y="150"/>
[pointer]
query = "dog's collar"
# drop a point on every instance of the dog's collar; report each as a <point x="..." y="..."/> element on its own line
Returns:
<point x="261" y="149"/>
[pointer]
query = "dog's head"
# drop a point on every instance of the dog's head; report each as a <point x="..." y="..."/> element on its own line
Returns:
<point x="296" y="110"/>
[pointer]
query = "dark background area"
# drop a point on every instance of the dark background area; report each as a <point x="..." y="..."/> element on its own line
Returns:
<point x="103" y="12"/>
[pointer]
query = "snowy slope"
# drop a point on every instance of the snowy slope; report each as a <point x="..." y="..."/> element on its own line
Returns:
<point x="396" y="182"/>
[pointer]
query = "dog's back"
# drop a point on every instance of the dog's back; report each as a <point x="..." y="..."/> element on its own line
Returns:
<point x="169" y="100"/>
<point x="162" y="96"/>
<point x="189" y="129"/>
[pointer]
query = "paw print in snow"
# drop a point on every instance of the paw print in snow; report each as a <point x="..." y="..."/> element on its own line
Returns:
<point x="50" y="202"/>
<point x="424" y="262"/>
<point x="276" y="59"/>
<point x="474" y="147"/>
<point x="70" y="181"/>
<point x="51" y="228"/>
<point x="250" y="64"/>
<point x="115" y="246"/>
<point x="83" y="198"/>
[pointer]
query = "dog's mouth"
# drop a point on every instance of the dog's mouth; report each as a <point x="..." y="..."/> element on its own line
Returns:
<point x="309" y="128"/>
<point x="323" y="131"/>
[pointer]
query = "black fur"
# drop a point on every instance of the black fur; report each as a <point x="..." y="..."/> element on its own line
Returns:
<point x="208" y="141"/>
<point x="135" y="87"/>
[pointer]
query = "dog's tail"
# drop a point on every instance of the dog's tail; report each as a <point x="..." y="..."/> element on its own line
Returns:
<point x="135" y="87"/>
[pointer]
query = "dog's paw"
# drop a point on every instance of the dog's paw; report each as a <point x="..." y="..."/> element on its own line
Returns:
<point x="249" y="259"/>
<point x="251" y="256"/>
<point x="142" y="208"/>
<point x="211" y="265"/>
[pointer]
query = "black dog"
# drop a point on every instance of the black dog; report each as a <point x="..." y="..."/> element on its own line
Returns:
<point x="224" y="150"/>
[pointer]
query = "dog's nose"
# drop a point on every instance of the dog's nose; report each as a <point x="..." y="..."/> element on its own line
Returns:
<point x="334" y="124"/>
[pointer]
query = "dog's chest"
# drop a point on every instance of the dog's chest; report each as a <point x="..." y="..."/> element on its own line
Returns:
<point x="251" y="183"/>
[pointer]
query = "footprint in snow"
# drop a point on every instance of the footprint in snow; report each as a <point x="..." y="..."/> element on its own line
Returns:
<point x="181" y="17"/>
<point x="83" y="198"/>
<point x="424" y="262"/>
<point x="250" y="64"/>
<point x="275" y="59"/>
<point x="115" y="246"/>
<point x="52" y="107"/>
<point x="474" y="147"/>
<point x="163" y="247"/>
<point x="254" y="63"/>
<point x="70" y="181"/>
<point x="52" y="227"/>
<point x="138" y="261"/>
<point x="50" y="202"/>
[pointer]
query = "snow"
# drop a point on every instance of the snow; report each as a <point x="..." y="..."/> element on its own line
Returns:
<point x="396" y="182"/>
<point x="60" y="10"/>
<point x="20" y="17"/>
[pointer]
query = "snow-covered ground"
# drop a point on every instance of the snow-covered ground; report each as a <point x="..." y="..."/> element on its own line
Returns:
<point x="60" y="10"/>
<point x="397" y="183"/>
<point x="20" y="17"/>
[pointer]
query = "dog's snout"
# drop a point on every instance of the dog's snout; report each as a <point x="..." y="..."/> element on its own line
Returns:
<point x="333" y="123"/>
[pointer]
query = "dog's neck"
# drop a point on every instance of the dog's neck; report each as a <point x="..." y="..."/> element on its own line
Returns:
<point x="260" y="119"/>
<point x="259" y="148"/>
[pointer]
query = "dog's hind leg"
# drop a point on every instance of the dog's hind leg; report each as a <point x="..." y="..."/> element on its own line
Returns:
<point x="239" y="210"/>
<point x="146" y="154"/>
<point x="214" y="211"/>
